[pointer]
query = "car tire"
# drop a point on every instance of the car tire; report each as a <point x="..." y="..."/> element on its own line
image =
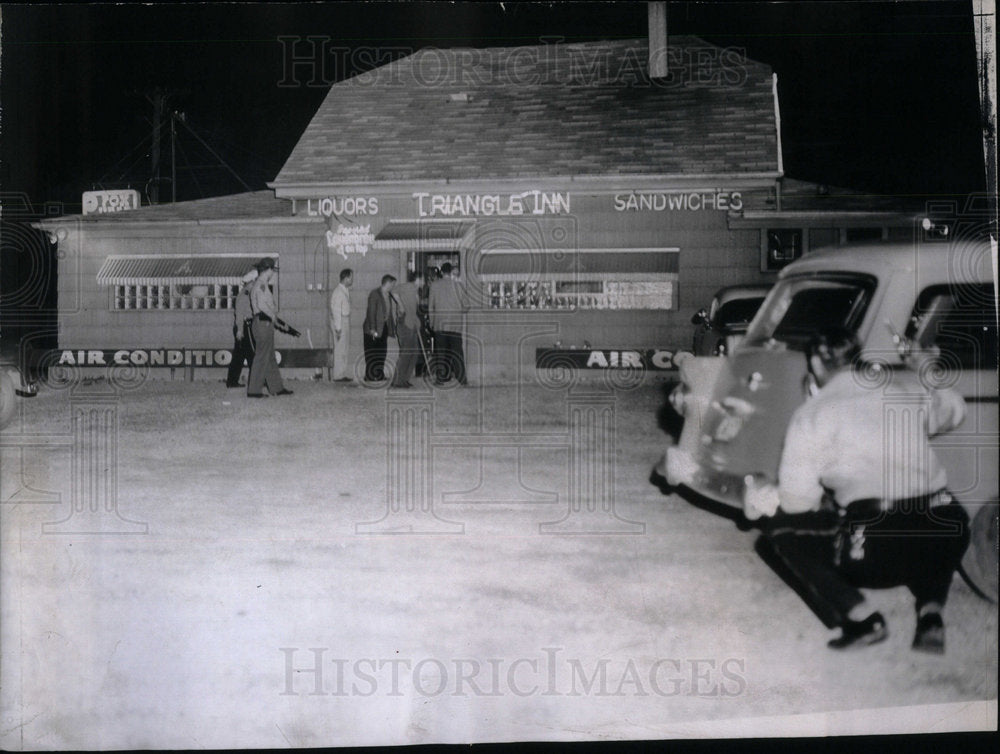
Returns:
<point x="8" y="396"/>
<point x="979" y="565"/>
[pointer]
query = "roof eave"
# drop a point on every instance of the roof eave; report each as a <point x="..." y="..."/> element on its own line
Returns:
<point x="55" y="223"/>
<point x="754" y="219"/>
<point x="589" y="183"/>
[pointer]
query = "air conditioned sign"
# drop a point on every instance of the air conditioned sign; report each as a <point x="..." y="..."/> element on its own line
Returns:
<point x="104" y="202"/>
<point x="690" y="201"/>
<point x="650" y="359"/>
<point x="175" y="357"/>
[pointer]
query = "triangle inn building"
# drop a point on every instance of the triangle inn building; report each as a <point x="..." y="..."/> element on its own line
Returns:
<point x="589" y="207"/>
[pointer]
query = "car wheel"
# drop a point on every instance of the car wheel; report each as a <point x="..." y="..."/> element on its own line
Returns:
<point x="979" y="566"/>
<point x="7" y="397"/>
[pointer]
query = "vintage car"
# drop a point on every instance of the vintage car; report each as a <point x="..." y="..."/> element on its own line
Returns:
<point x="895" y="297"/>
<point x="7" y="406"/>
<point x="721" y="327"/>
<point x="12" y="384"/>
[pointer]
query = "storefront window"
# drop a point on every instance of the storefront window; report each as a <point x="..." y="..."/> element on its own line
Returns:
<point x="172" y="296"/>
<point x="143" y="282"/>
<point x="580" y="294"/>
<point x="784" y="245"/>
<point x="561" y="280"/>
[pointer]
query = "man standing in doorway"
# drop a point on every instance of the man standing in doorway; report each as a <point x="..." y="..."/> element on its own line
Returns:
<point x="340" y="325"/>
<point x="446" y="309"/>
<point x="264" y="368"/>
<point x="379" y="326"/>
<point x="408" y="328"/>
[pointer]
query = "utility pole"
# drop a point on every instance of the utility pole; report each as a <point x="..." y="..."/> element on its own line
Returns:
<point x="158" y="99"/>
<point x="173" y="154"/>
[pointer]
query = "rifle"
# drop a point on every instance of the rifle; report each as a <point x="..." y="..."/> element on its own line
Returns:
<point x="281" y="326"/>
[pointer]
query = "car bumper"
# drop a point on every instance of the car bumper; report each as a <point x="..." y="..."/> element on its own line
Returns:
<point x="682" y="469"/>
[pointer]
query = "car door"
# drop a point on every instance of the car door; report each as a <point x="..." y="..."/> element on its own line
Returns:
<point x="960" y="320"/>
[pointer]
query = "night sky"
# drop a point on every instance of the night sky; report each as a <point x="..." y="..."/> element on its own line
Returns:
<point x="874" y="96"/>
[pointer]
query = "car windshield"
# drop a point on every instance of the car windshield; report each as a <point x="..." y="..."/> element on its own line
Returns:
<point x="737" y="312"/>
<point x="799" y="307"/>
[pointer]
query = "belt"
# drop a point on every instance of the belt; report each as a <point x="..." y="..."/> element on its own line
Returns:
<point x="900" y="505"/>
<point x="262" y="317"/>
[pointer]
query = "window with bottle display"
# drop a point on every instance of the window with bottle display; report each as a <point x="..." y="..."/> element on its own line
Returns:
<point x="612" y="280"/>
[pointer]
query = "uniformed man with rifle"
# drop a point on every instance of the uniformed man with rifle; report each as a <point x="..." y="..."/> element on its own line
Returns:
<point x="264" y="368"/>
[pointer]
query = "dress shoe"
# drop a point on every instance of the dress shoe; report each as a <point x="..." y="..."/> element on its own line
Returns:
<point x="861" y="633"/>
<point x="236" y="384"/>
<point x="403" y="385"/>
<point x="930" y="634"/>
<point x="343" y="379"/>
<point x="256" y="395"/>
<point x="284" y="391"/>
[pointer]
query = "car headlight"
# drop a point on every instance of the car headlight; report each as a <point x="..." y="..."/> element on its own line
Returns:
<point x="678" y="398"/>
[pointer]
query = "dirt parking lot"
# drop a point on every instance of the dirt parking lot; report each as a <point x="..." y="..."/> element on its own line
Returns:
<point x="351" y="566"/>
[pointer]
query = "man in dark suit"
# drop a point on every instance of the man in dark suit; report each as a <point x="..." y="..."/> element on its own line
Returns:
<point x="242" y="322"/>
<point x="447" y="307"/>
<point x="379" y="326"/>
<point x="408" y="328"/>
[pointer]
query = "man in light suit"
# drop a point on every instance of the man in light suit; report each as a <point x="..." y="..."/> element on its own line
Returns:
<point x="379" y="326"/>
<point x="340" y="325"/>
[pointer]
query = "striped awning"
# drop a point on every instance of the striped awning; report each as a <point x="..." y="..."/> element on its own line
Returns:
<point x="416" y="235"/>
<point x="143" y="269"/>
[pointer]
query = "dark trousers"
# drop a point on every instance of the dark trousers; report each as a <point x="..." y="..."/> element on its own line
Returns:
<point x="264" y="367"/>
<point x="375" y="348"/>
<point x="242" y="353"/>
<point x="409" y="350"/>
<point x="827" y="555"/>
<point x="449" y="356"/>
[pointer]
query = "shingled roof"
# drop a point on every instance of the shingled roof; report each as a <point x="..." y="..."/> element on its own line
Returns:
<point x="584" y="109"/>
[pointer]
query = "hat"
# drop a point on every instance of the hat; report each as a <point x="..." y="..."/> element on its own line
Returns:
<point x="267" y="263"/>
<point x="250" y="276"/>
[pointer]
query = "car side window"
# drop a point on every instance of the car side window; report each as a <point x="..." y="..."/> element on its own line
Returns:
<point x="961" y="321"/>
